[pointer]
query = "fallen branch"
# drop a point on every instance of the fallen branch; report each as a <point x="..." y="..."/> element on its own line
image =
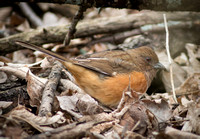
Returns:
<point x="49" y="90"/>
<point x="89" y="28"/>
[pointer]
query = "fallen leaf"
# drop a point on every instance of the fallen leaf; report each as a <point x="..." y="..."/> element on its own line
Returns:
<point x="160" y="109"/>
<point x="34" y="88"/>
<point x="3" y="77"/>
<point x="139" y="119"/>
<point x="190" y="86"/>
<point x="36" y="121"/>
<point x="193" y="125"/>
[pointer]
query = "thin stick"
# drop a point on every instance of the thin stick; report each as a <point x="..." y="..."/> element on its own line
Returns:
<point x="169" y="59"/>
<point x="72" y="28"/>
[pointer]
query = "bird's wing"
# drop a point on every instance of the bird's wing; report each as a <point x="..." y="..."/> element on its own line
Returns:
<point x="108" y="63"/>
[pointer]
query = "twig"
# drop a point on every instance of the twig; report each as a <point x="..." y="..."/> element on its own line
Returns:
<point x="67" y="84"/>
<point x="72" y="28"/>
<point x="71" y="131"/>
<point x="135" y="126"/>
<point x="29" y="13"/>
<point x="169" y="59"/>
<point x="74" y="114"/>
<point x="48" y="93"/>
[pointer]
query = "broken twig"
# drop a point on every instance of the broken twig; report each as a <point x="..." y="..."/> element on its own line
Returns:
<point x="49" y="90"/>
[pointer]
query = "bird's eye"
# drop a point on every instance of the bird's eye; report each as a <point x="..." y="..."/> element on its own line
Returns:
<point x="148" y="59"/>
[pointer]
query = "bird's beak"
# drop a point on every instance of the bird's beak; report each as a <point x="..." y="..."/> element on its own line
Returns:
<point x="159" y="66"/>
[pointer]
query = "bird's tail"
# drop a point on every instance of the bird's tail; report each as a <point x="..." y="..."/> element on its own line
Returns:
<point x="37" y="48"/>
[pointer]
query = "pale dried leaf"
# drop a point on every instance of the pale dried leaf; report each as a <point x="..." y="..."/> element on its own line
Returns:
<point x="182" y="59"/>
<point x="38" y="122"/>
<point x="178" y="77"/>
<point x="46" y="63"/>
<point x="24" y="65"/>
<point x="21" y="56"/>
<point x="3" y="77"/>
<point x="160" y="108"/>
<point x="185" y="101"/>
<point x="5" y="104"/>
<point x="193" y="125"/>
<point x="19" y="72"/>
<point x="193" y="53"/>
<point x="25" y="26"/>
<point x="34" y="89"/>
<point x="68" y="102"/>
<point x="79" y="102"/>
<point x="88" y="108"/>
<point x="139" y="119"/>
<point x="178" y="73"/>
<point x="190" y="86"/>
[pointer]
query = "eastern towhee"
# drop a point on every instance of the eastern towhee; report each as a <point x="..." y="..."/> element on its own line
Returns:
<point x="105" y="75"/>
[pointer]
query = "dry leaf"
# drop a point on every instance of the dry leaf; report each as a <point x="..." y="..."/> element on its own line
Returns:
<point x="193" y="53"/>
<point x="160" y="109"/>
<point x="178" y="77"/>
<point x="182" y="60"/>
<point x="34" y="89"/>
<point x="67" y="102"/>
<point x="139" y="119"/>
<point x="88" y="108"/>
<point x="3" y="77"/>
<point x="193" y="125"/>
<point x="3" y="105"/>
<point x="37" y="122"/>
<point x="190" y="86"/>
<point x="178" y="73"/>
<point x="19" y="72"/>
<point x="25" y="26"/>
<point x="23" y="56"/>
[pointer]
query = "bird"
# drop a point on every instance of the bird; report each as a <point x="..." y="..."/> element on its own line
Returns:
<point x="105" y="75"/>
